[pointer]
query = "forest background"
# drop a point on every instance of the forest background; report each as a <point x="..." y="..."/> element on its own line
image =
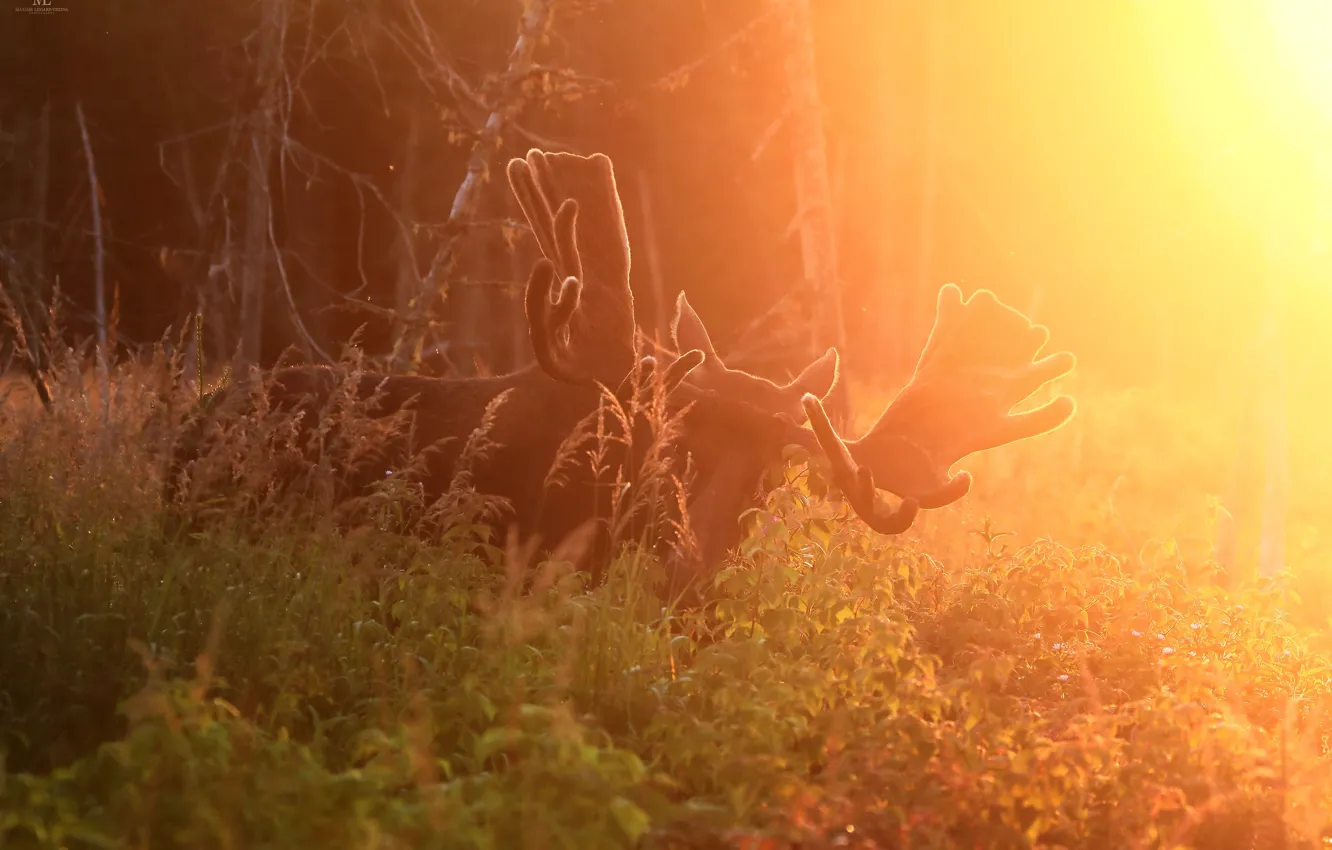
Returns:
<point x="1148" y="180"/>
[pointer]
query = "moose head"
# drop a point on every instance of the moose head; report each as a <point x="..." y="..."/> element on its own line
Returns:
<point x="979" y="363"/>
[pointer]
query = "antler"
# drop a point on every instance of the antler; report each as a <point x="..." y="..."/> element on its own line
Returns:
<point x="548" y="312"/>
<point x="857" y="482"/>
<point x="675" y="373"/>
<point x="749" y="399"/>
<point x="978" y="363"/>
<point x="584" y="240"/>
<point x="592" y="335"/>
<point x="713" y="375"/>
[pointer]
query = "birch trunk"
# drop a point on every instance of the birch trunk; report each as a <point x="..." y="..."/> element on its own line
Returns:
<point x="408" y="281"/>
<point x="814" y="203"/>
<point x="519" y="346"/>
<point x="921" y="299"/>
<point x="99" y="260"/>
<point x="531" y="27"/>
<point x="661" y="331"/>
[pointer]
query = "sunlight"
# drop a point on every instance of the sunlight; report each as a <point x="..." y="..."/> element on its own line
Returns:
<point x="1028" y="544"/>
<point x="1259" y="60"/>
<point x="1304" y="33"/>
<point x="1248" y="86"/>
<point x="1281" y="48"/>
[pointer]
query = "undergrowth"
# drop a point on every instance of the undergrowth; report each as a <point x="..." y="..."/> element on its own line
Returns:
<point x="1089" y="681"/>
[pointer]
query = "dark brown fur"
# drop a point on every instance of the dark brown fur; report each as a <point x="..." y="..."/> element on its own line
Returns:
<point x="442" y="414"/>
<point x="723" y="428"/>
<point x="727" y="445"/>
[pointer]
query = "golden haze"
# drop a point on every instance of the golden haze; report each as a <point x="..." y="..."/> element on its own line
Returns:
<point x="1160" y="175"/>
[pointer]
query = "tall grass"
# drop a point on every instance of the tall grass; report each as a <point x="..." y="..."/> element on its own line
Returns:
<point x="271" y="678"/>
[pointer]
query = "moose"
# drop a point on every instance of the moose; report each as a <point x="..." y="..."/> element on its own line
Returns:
<point x="620" y="411"/>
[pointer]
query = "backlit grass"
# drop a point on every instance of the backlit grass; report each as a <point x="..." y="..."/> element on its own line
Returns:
<point x="1056" y="661"/>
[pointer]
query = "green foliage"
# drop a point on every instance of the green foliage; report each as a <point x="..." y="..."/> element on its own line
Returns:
<point x="298" y="688"/>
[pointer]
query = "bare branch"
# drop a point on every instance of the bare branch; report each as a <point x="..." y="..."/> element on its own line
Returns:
<point x="291" y="301"/>
<point x="678" y="76"/>
<point x="532" y="25"/>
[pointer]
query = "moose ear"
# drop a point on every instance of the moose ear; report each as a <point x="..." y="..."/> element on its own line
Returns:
<point x="687" y="329"/>
<point x="819" y="377"/>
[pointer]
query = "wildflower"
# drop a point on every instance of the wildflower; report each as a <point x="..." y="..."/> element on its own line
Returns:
<point x="1135" y="633"/>
<point x="1057" y="646"/>
<point x="1167" y="650"/>
<point x="1195" y="626"/>
<point x="1063" y="677"/>
<point x="1160" y="636"/>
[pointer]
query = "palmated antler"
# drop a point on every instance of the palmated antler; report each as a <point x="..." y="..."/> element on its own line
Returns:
<point x="819" y="377"/>
<point x="549" y="312"/>
<point x="584" y="239"/>
<point x="978" y="364"/>
<point x="574" y="209"/>
<point x="857" y="482"/>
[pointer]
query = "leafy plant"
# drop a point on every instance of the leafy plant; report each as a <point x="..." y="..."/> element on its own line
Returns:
<point x="1027" y="669"/>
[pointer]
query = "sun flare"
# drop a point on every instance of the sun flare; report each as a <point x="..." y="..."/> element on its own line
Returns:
<point x="1248" y="86"/>
<point x="1303" y="30"/>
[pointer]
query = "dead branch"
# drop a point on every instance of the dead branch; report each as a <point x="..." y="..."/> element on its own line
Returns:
<point x="99" y="277"/>
<point x="680" y="75"/>
<point x="430" y="63"/>
<point x="291" y="301"/>
<point x="18" y="320"/>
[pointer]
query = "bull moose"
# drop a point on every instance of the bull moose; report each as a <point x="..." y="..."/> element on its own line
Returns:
<point x="613" y="411"/>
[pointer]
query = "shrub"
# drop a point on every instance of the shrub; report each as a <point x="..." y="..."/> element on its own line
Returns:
<point x="1083" y="681"/>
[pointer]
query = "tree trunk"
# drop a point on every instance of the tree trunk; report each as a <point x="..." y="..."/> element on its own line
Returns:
<point x="258" y="202"/>
<point x="472" y="291"/>
<point x="531" y="30"/>
<point x="662" y="318"/>
<point x="921" y="299"/>
<point x="814" y="204"/>
<point x="206" y="278"/>
<point x="519" y="345"/>
<point x="409" y="278"/>
<point x="41" y="194"/>
<point x="99" y="262"/>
